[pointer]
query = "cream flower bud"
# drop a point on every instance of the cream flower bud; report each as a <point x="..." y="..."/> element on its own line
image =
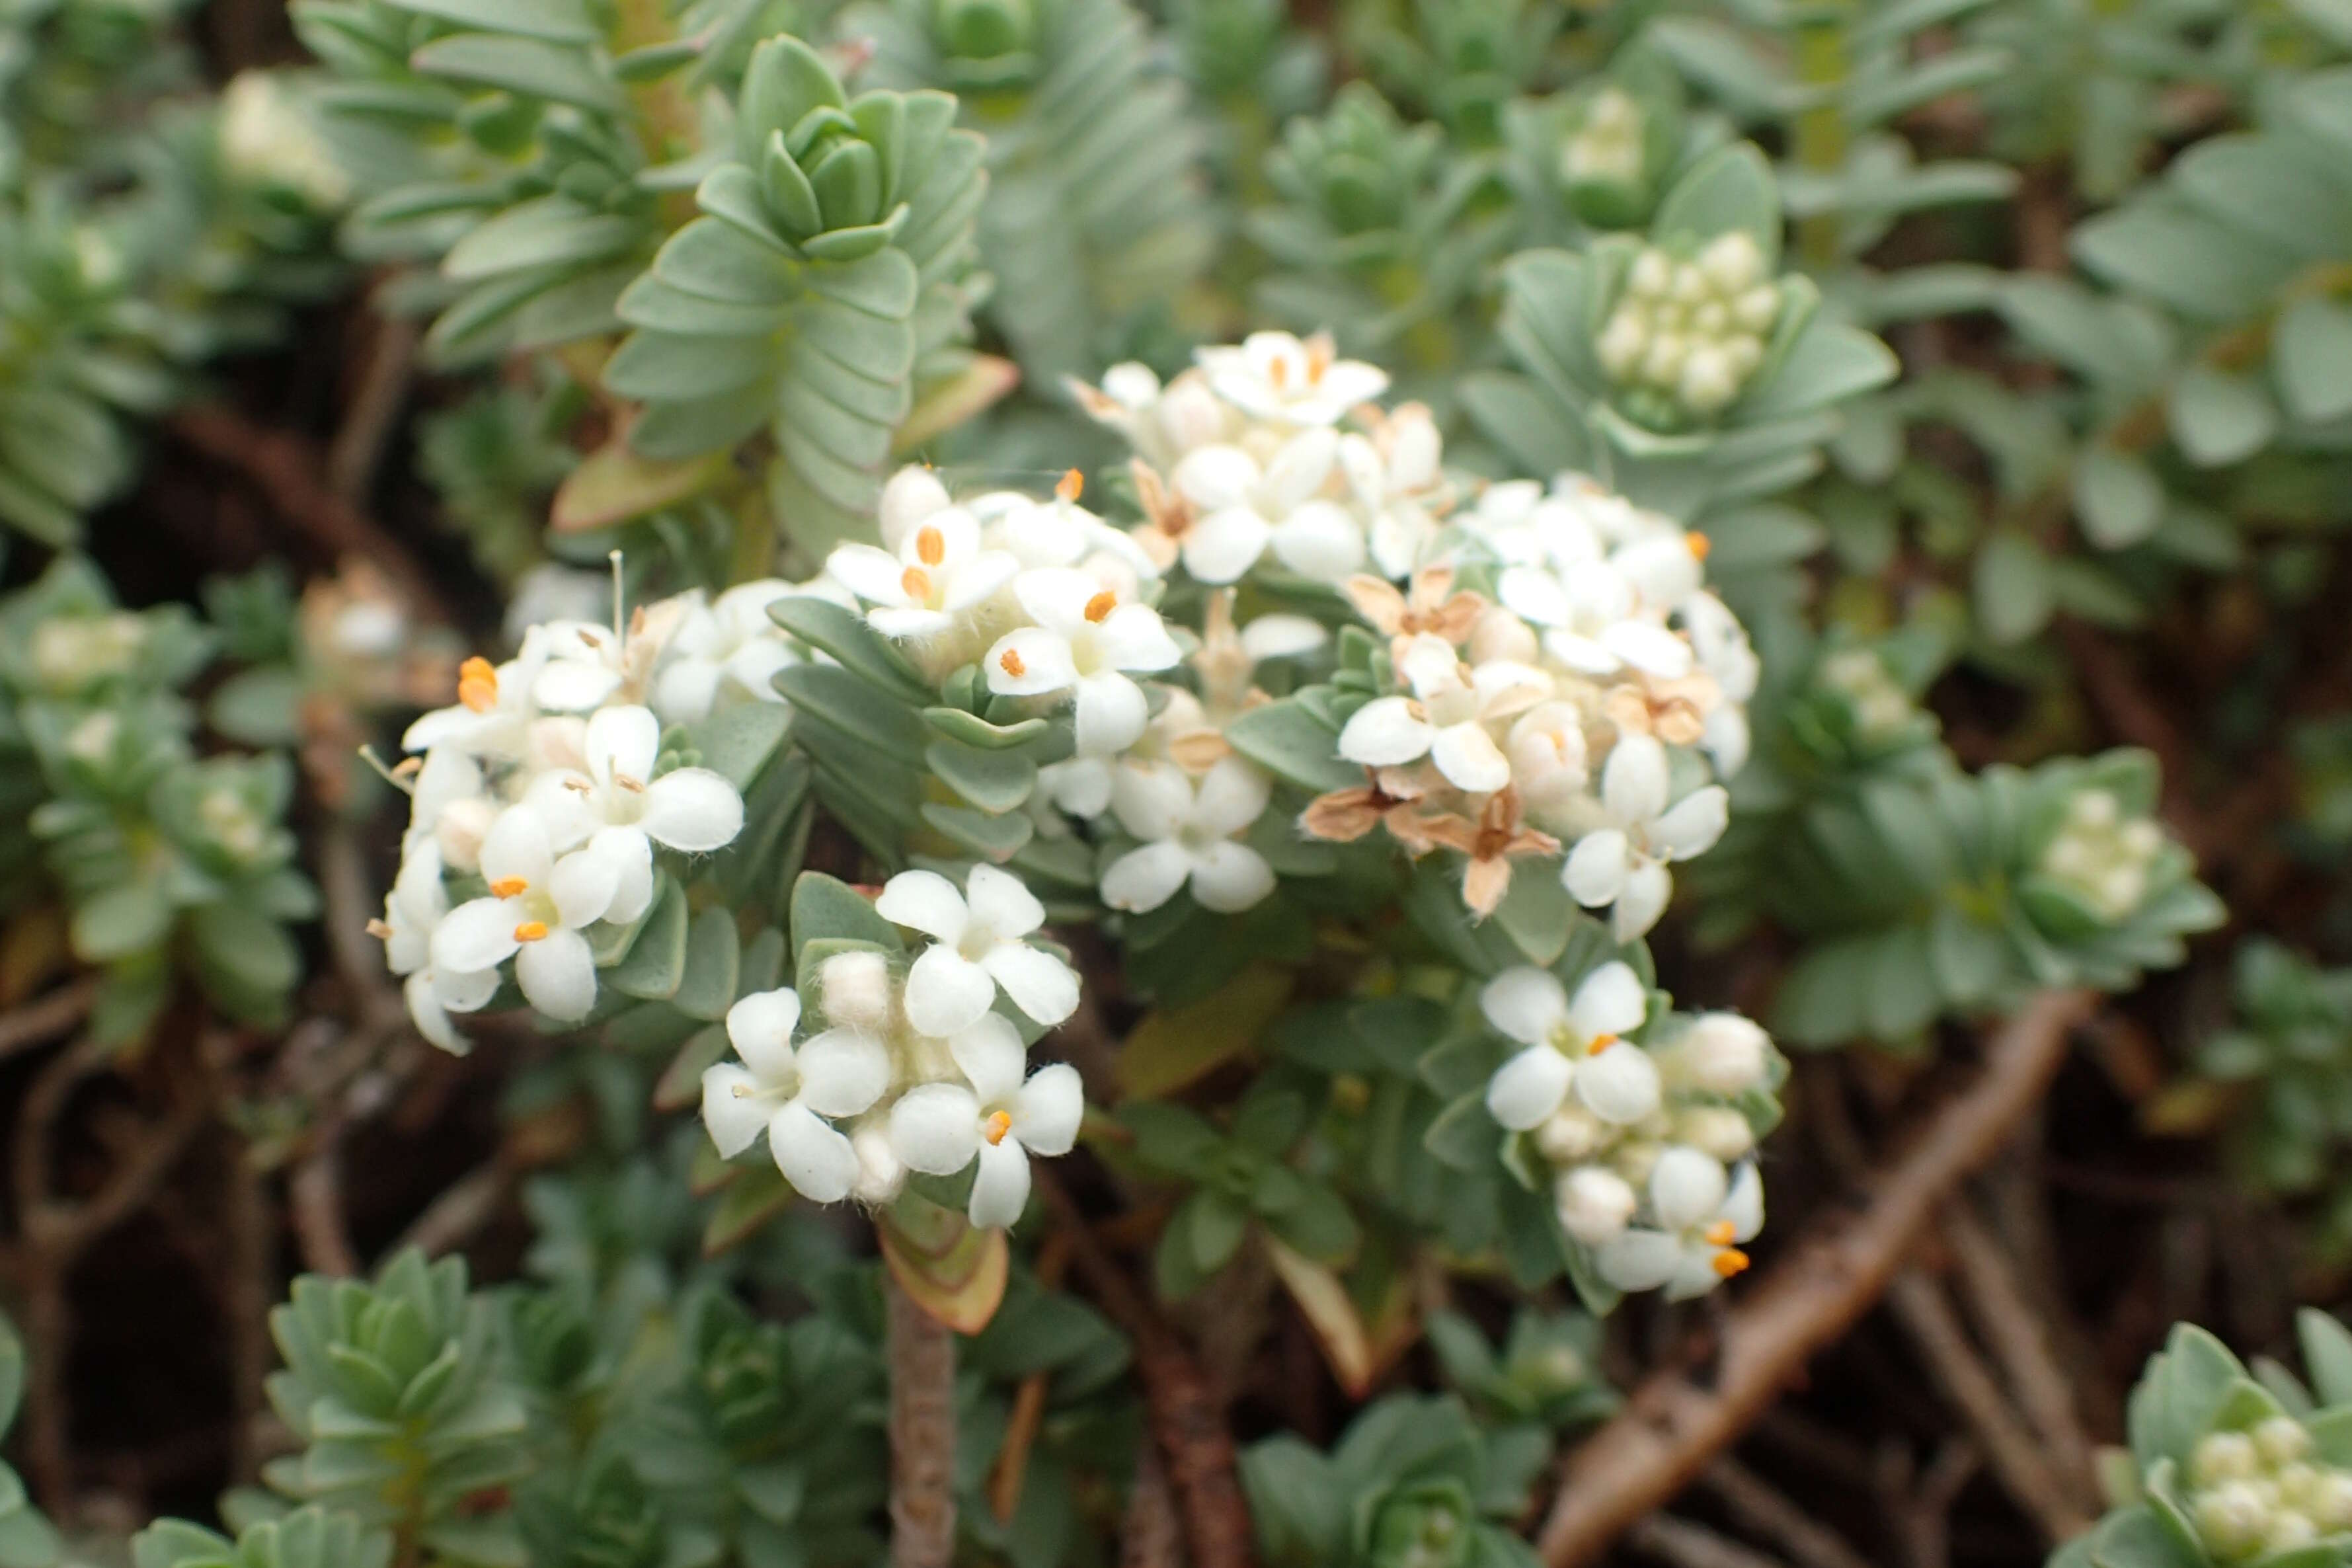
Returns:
<point x="1571" y="1133"/>
<point x="1707" y="383"/>
<point x="1722" y="1053"/>
<point x="1623" y="343"/>
<point x="1500" y="636"/>
<point x="2224" y="1457"/>
<point x="1595" y="1204"/>
<point x="1636" y="1158"/>
<point x="2231" y="1519"/>
<point x="1191" y="415"/>
<point x="2281" y="1439"/>
<point x="856" y="990"/>
<point x="1743" y="353"/>
<point x="2290" y="1527"/>
<point x="1651" y="275"/>
<point x="1663" y="362"/>
<point x="880" y="1173"/>
<point x="1689" y="285"/>
<point x="2329" y="1501"/>
<point x="913" y="493"/>
<point x="1758" y="308"/>
<point x="459" y="832"/>
<point x="1716" y="1130"/>
<point x="1732" y="261"/>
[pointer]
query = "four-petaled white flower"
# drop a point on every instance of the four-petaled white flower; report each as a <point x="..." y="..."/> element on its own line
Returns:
<point x="940" y="1127"/>
<point x="589" y="665"/>
<point x="977" y="946"/>
<point x="495" y="708"/>
<point x="539" y="905"/>
<point x="690" y="809"/>
<point x="1246" y="507"/>
<point x="729" y="651"/>
<point x="940" y="574"/>
<point x="1572" y="1045"/>
<point x="1448" y="717"/>
<point x="1591" y="619"/>
<point x="1702" y="1214"/>
<point x="1274" y="375"/>
<point x="1188" y="833"/>
<point x="413" y="910"/>
<point x="1624" y="861"/>
<point x="791" y="1092"/>
<point x="1087" y="641"/>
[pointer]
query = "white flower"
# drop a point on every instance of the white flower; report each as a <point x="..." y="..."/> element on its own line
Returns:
<point x="938" y="1127"/>
<point x="1394" y="476"/>
<point x="790" y="1092"/>
<point x="1572" y="1044"/>
<point x="689" y="809"/>
<point x="495" y="708"/>
<point x="1594" y="1204"/>
<point x="1160" y="424"/>
<point x="413" y="909"/>
<point x="977" y="947"/>
<point x="1085" y="640"/>
<point x="589" y="665"/>
<point x="1188" y="835"/>
<point x="1702" y="1214"/>
<point x="266" y="137"/>
<point x="539" y="906"/>
<point x="913" y="495"/>
<point x="1446" y="719"/>
<point x="1246" y="509"/>
<point x="1624" y="862"/>
<point x="449" y="777"/>
<point x="1546" y="751"/>
<point x="1591" y="620"/>
<point x="940" y="575"/>
<point x="1276" y="377"/>
<point x="728" y="650"/>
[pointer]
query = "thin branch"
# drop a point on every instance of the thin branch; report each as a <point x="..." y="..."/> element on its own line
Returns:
<point x="1762" y="1507"/>
<point x="1149" y="1535"/>
<point x="450" y="1220"/>
<point x="1688" y="1545"/>
<point x="315" y="1206"/>
<point x="386" y="373"/>
<point x="47" y="1017"/>
<point x="2014" y="1331"/>
<point x="922" y="1357"/>
<point x="1673" y="1427"/>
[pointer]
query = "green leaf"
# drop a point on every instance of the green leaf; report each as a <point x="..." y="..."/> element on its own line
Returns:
<point x="122" y="922"/>
<point x="2311" y="350"/>
<point x="656" y="963"/>
<point x="713" y="952"/>
<point x="826" y="908"/>
<point x="2118" y="498"/>
<point x="1288" y="740"/>
<point x="557" y="21"/>
<point x="2013" y="598"/>
<point x="2326" y="1356"/>
<point x="1731" y="188"/>
<point x="530" y="67"/>
<point x="994" y="780"/>
<point x="1175" y="1046"/>
<point x="2218" y="417"/>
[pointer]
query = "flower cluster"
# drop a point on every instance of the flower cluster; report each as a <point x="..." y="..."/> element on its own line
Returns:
<point x="1687" y="335"/>
<point x="916" y="1069"/>
<point x="2260" y="1491"/>
<point x="2102" y="855"/>
<point x="1646" y="1149"/>
<point x="541" y="798"/>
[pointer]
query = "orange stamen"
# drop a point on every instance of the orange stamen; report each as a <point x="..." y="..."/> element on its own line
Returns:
<point x="916" y="584"/>
<point x="1278" y="373"/>
<point x="1721" y="1232"/>
<point x="1730" y="1261"/>
<point x="380" y="930"/>
<point x="1071" y="484"/>
<point x="477" y="684"/>
<point x="1009" y="662"/>
<point x="930" y="544"/>
<point x="1698" y="544"/>
<point x="508" y="887"/>
<point x="531" y="930"/>
<point x="1601" y="1043"/>
<point x="1101" y="605"/>
<point x="999" y="1124"/>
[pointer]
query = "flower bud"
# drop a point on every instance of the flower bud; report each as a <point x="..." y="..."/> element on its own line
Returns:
<point x="1758" y="308"/>
<point x="913" y="493"/>
<point x="1663" y="362"/>
<point x="1707" y="384"/>
<point x="2231" y="1519"/>
<point x="1651" y="277"/>
<point x="1500" y="634"/>
<point x="1732" y="261"/>
<point x="1622" y="343"/>
<point x="2281" y="1439"/>
<point x="1722" y="1053"/>
<point x="879" y="1173"/>
<point x="2224" y="1457"/>
<point x="1571" y="1133"/>
<point x="1191" y="415"/>
<point x="856" y="990"/>
<point x="459" y="830"/>
<point x="1716" y="1130"/>
<point x="1595" y="1204"/>
<point x="1546" y="752"/>
<point x="2093" y="809"/>
<point x="2290" y="1527"/>
<point x="2329" y="1501"/>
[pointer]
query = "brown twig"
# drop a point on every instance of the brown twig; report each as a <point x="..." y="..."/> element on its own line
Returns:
<point x="1029" y="1401"/>
<point x="46" y="1018"/>
<point x="1149" y="1535"/>
<point x="922" y="1435"/>
<point x="1762" y="1507"/>
<point x="1688" y="1545"/>
<point x="386" y="372"/>
<point x="2013" y="1330"/>
<point x="1927" y="1520"/>
<point x="1184" y="1415"/>
<point x="1673" y="1427"/>
<point x="314" y="1204"/>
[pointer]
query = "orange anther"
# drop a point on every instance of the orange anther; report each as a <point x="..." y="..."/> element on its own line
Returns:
<point x="916" y="584"/>
<point x="477" y="684"/>
<point x="508" y="887"/>
<point x="1071" y="484"/>
<point x="1009" y="662"/>
<point x="1698" y="543"/>
<point x="1101" y="605"/>
<point x="1278" y="373"/>
<point x="999" y="1124"/>
<point x="531" y="930"/>
<point x="1722" y="1233"/>
<point x="1729" y="1262"/>
<point x="930" y="544"/>
<point x="1601" y="1043"/>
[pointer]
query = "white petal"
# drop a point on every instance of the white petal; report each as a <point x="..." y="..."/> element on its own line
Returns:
<point x="1686" y="1186"/>
<point x="1029" y="661"/>
<point x="1321" y="540"/>
<point x="430" y="1017"/>
<point x="1056" y="597"/>
<point x="686" y="692"/>
<point x="1000" y="1188"/>
<point x="1299" y="468"/>
<point x="910" y="626"/>
<point x="1527" y="1088"/>
<point x="574" y="685"/>
<point x="1644" y="900"/>
<point x="1214" y="478"/>
<point x="465" y="990"/>
<point x="1153" y="800"/>
<point x="1633" y="784"/>
<point x="1596" y="868"/>
<point x="585" y="881"/>
<point x="1282" y="637"/>
<point x="814" y="1158"/>
<point x="1525" y="1004"/>
<point x="947" y="991"/>
<point x="1001" y="903"/>
<point x="518" y="845"/>
<point x="761" y="1026"/>
<point x="693" y="809"/>
<point x="1692" y="825"/>
<point x="634" y="890"/>
<point x="1534" y="595"/>
<point x="622" y="742"/>
<point x="924" y="902"/>
<point x="1695" y="1275"/>
<point x="935" y="1126"/>
<point x="1384" y="733"/>
<point x="872" y="575"/>
<point x="1619" y="1085"/>
<point x="1143" y="880"/>
<point x="1225" y="544"/>
<point x="1047" y="1110"/>
<point x="991" y="1058"/>
<point x="1744" y="1205"/>
<point x="1081" y="786"/>
<point x="1650" y="648"/>
<point x="733" y="1108"/>
<point x="1039" y="983"/>
<point x="1469" y="758"/>
<point x="979" y="579"/>
<point x="843" y="1071"/>
<point x="1233" y="795"/>
<point x="1611" y="1001"/>
<point x="1639" y="1259"/>
<point x="558" y="974"/>
<point x="1228" y="877"/>
<point x="1134" y="638"/>
<point x="1111" y="713"/>
<point x="477" y="935"/>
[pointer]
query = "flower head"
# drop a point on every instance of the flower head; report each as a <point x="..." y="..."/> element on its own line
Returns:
<point x="1572" y="1044"/>
<point x="1189" y="833"/>
<point x="1702" y="1214"/>
<point x="1085" y="641"/>
<point x="1274" y="375"/>
<point x="790" y="1091"/>
<point x="977" y="946"/>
